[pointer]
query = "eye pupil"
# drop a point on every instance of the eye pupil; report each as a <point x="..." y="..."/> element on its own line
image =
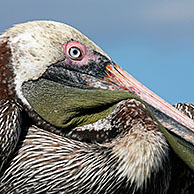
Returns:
<point x="75" y="52"/>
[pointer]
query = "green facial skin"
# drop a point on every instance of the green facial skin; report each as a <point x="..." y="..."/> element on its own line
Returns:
<point x="68" y="107"/>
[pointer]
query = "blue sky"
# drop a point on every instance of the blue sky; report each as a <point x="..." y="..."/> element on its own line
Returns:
<point x="153" y="40"/>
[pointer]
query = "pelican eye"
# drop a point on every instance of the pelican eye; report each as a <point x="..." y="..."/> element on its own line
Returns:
<point x="75" y="53"/>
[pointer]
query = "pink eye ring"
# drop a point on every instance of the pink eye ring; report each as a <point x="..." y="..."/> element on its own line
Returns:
<point x="74" y="50"/>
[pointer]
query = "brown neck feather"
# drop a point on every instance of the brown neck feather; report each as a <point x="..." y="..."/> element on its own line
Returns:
<point x="6" y="73"/>
<point x="10" y="119"/>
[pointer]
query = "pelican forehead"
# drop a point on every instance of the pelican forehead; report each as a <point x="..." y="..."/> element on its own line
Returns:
<point x="37" y="45"/>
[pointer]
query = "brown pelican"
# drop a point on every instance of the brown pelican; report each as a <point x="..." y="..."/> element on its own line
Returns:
<point x="72" y="121"/>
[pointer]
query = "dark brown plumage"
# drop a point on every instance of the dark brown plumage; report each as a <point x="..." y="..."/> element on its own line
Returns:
<point x="46" y="162"/>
